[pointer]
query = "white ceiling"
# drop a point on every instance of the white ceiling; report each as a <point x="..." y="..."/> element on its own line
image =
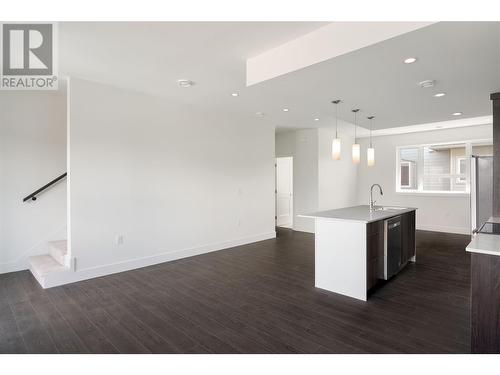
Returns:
<point x="463" y="58"/>
<point x="317" y="46"/>
<point x="151" y="56"/>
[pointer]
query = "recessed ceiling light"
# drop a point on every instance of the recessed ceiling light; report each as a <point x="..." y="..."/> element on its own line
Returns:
<point x="457" y="113"/>
<point x="185" y="83"/>
<point x="285" y="109"/>
<point x="235" y="94"/>
<point x="410" y="60"/>
<point x="439" y="94"/>
<point x="260" y="114"/>
<point x="316" y="119"/>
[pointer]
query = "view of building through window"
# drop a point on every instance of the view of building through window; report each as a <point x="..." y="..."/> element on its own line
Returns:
<point x="438" y="167"/>
<point x="408" y="168"/>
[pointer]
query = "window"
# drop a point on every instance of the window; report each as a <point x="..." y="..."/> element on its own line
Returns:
<point x="438" y="168"/>
<point x="461" y="169"/>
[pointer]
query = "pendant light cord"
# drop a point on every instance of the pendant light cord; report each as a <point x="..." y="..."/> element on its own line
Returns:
<point x="371" y="124"/>
<point x="355" y="111"/>
<point x="371" y="128"/>
<point x="355" y="126"/>
<point x="336" y="102"/>
<point x="336" y="120"/>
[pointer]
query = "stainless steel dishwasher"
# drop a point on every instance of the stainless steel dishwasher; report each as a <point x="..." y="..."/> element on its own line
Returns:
<point x="392" y="246"/>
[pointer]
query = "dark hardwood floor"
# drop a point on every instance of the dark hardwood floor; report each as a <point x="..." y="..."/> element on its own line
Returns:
<point x="257" y="298"/>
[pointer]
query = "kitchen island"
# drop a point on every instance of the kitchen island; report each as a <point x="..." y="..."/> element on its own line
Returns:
<point x="355" y="247"/>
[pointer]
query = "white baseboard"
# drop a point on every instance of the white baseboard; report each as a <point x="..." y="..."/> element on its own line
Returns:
<point x="108" y="269"/>
<point x="445" y="229"/>
<point x="303" y="230"/>
<point x="16" y="265"/>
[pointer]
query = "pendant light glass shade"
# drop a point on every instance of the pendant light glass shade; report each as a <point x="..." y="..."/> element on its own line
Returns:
<point x="370" y="156"/>
<point x="370" y="152"/>
<point x="336" y="144"/>
<point x="356" y="152"/>
<point x="336" y="149"/>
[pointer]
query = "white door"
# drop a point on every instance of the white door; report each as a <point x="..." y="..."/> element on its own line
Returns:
<point x="284" y="192"/>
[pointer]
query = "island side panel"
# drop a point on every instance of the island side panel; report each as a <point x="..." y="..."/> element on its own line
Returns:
<point x="409" y="243"/>
<point x="340" y="257"/>
<point x="485" y="310"/>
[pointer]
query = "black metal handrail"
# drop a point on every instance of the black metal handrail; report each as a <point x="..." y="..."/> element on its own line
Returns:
<point x="33" y="195"/>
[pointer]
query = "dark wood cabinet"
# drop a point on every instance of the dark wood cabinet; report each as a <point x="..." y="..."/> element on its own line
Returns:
<point x="412" y="245"/>
<point x="375" y="247"/>
<point x="408" y="237"/>
<point x="374" y="253"/>
<point x="485" y="303"/>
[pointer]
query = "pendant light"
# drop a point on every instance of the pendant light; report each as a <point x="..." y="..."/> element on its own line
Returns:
<point x="370" y="151"/>
<point x="336" y="141"/>
<point x="356" y="149"/>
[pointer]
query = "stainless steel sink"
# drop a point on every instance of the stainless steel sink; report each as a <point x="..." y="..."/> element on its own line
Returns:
<point x="389" y="208"/>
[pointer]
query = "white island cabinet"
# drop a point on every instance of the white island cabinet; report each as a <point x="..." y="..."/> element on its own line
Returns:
<point x="351" y="247"/>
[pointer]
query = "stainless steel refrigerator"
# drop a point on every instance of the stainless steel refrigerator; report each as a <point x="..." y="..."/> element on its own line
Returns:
<point x="481" y="193"/>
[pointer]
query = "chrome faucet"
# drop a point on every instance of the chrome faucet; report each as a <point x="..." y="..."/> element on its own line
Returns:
<point x="372" y="202"/>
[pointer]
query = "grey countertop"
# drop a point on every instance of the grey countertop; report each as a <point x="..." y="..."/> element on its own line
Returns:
<point x="359" y="213"/>
<point x="484" y="243"/>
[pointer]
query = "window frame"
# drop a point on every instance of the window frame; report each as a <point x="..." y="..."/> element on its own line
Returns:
<point x="420" y="169"/>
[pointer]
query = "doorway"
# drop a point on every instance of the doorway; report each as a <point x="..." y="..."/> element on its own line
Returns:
<point x="284" y="192"/>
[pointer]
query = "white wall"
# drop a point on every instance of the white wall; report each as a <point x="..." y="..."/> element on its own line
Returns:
<point x="305" y="178"/>
<point x="32" y="152"/>
<point x="285" y="143"/>
<point x="445" y="213"/>
<point x="337" y="178"/>
<point x="320" y="183"/>
<point x="173" y="182"/>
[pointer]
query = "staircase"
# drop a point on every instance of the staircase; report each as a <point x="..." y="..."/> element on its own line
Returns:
<point x="49" y="269"/>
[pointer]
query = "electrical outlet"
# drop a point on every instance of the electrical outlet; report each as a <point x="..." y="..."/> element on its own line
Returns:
<point x="119" y="239"/>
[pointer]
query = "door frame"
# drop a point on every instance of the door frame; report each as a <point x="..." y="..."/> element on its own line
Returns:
<point x="290" y="226"/>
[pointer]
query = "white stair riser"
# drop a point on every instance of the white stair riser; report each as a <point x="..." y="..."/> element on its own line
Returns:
<point x="47" y="271"/>
<point x="58" y="251"/>
<point x="58" y="255"/>
<point x="37" y="276"/>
